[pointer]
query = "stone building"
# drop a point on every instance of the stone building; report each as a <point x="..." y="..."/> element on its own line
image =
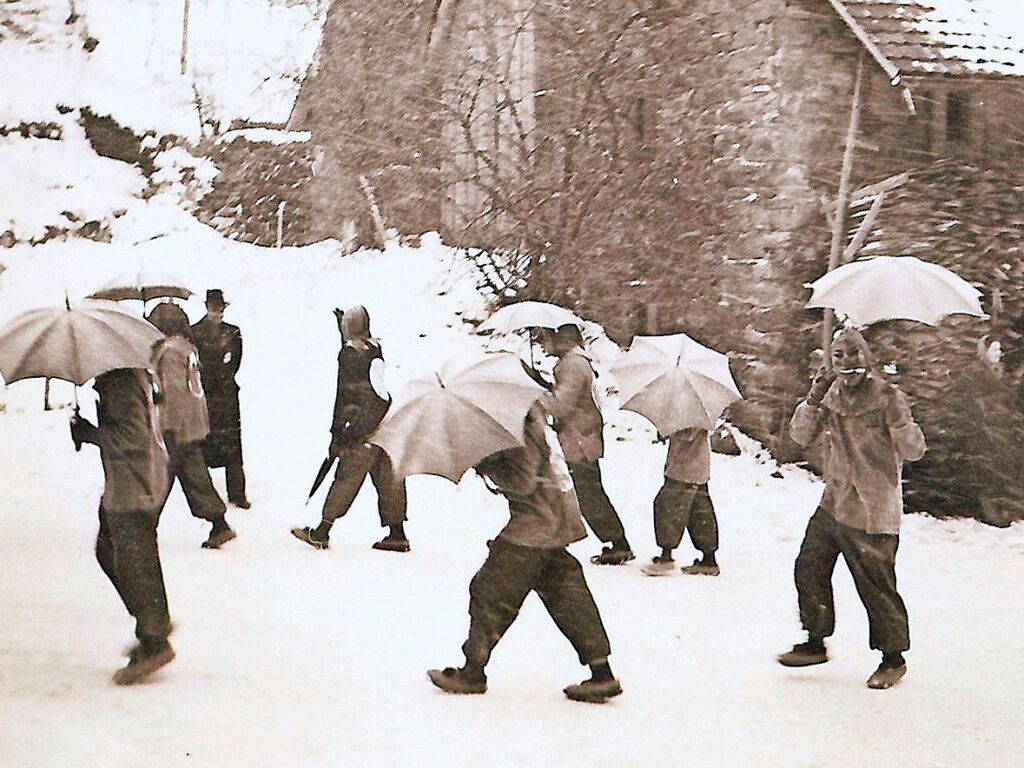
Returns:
<point x="670" y="163"/>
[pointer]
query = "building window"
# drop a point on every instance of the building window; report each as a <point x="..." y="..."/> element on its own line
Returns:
<point x="957" y="117"/>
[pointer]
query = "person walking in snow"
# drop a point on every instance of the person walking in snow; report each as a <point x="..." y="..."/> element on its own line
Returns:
<point x="683" y="504"/>
<point x="530" y="555"/>
<point x="572" y="403"/>
<point x="360" y="404"/>
<point x="870" y="432"/>
<point x="184" y="420"/>
<point x="220" y="355"/>
<point x="135" y="487"/>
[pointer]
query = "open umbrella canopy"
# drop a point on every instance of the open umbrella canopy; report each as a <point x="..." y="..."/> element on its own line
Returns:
<point x="450" y="421"/>
<point x="142" y="286"/>
<point x="530" y="314"/>
<point x="895" y="288"/>
<point x="75" y="342"/>
<point x="675" y="382"/>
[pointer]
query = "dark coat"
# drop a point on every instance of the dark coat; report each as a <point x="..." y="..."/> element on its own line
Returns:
<point x="543" y="509"/>
<point x="128" y="436"/>
<point x="358" y="407"/>
<point x="870" y="432"/>
<point x="220" y="355"/>
<point x="573" y="405"/>
<point x="182" y="406"/>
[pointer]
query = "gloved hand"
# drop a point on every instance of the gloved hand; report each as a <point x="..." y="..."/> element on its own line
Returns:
<point x="81" y="430"/>
<point x="819" y="385"/>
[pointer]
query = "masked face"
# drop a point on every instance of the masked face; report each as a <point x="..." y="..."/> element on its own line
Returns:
<point x="849" y="362"/>
<point x="547" y="341"/>
<point x="216" y="314"/>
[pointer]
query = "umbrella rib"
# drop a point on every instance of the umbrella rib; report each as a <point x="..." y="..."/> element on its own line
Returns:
<point x="38" y="342"/>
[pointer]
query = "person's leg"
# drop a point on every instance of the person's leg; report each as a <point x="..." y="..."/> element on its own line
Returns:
<point x="813" y="575"/>
<point x="703" y="527"/>
<point x="496" y="594"/>
<point x="872" y="562"/>
<point x="671" y="511"/>
<point x="564" y="592"/>
<point x="191" y="471"/>
<point x="353" y="465"/>
<point x="107" y="559"/>
<point x="599" y="513"/>
<point x="234" y="474"/>
<point x="391" y="502"/>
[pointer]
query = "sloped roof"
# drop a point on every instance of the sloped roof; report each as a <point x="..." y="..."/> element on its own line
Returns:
<point x="945" y="37"/>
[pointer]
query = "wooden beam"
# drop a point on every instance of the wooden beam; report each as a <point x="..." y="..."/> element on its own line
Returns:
<point x="885" y="185"/>
<point x="876" y="53"/>
<point x="842" y="205"/>
<point x="864" y="230"/>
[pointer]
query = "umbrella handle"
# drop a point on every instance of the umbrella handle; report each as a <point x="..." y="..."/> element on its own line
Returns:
<point x="78" y="443"/>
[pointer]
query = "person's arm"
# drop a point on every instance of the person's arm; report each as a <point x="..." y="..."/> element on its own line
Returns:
<point x="234" y="353"/>
<point x="808" y="416"/>
<point x="907" y="437"/>
<point x="83" y="431"/>
<point x="573" y="379"/>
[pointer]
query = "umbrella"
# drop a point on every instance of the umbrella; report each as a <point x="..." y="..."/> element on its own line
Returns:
<point x="452" y="420"/>
<point x="675" y="382"/>
<point x="530" y="314"/>
<point x="74" y="342"/>
<point x="143" y="286"/>
<point x="895" y="288"/>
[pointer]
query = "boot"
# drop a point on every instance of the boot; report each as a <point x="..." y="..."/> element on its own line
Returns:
<point x="805" y="654"/>
<point x="145" y="659"/>
<point x="601" y="686"/>
<point x="461" y="680"/>
<point x="395" y="541"/>
<point x="220" y="534"/>
<point x="704" y="567"/>
<point x="614" y="554"/>
<point x="659" y="566"/>
<point x="313" y="537"/>
<point x="889" y="672"/>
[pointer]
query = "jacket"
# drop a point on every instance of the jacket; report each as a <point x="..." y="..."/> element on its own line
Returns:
<point x="869" y="433"/>
<point x="689" y="456"/>
<point x="543" y="510"/>
<point x="182" y="406"/>
<point x="128" y="436"/>
<point x="358" y="408"/>
<point x="573" y="405"/>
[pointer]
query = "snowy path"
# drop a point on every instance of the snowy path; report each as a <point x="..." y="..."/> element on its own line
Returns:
<point x="290" y="657"/>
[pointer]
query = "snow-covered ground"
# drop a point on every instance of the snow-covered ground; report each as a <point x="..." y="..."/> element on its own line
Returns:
<point x="292" y="657"/>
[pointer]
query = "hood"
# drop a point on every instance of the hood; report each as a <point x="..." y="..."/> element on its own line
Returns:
<point x="355" y="324"/>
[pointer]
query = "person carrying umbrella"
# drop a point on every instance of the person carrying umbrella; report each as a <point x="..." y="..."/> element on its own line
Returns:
<point x="184" y="420"/>
<point x="530" y="555"/>
<point x="870" y="432"/>
<point x="135" y="488"/>
<point x="572" y="404"/>
<point x="360" y="404"/>
<point x="684" y="504"/>
<point x="220" y="355"/>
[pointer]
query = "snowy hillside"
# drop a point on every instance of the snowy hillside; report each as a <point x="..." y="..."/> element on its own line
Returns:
<point x="293" y="657"/>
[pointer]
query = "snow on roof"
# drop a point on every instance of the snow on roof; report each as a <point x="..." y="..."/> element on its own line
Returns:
<point x="946" y="37"/>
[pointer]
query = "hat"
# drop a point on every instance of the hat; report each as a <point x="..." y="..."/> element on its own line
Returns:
<point x="215" y="298"/>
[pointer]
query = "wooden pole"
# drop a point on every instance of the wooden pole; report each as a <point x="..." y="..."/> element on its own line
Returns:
<point x="842" y="207"/>
<point x="184" y="38"/>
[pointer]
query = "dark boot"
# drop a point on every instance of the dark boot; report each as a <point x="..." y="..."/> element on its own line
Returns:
<point x="220" y="534"/>
<point x="614" y="554"/>
<point x="601" y="686"/>
<point x="805" y="654"/>
<point x="461" y="680"/>
<point x="395" y="541"/>
<point x="889" y="672"/>
<point x="144" y="660"/>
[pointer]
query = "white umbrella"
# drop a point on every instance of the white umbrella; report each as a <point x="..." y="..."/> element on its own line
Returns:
<point x="530" y="314"/>
<point x="675" y="382"/>
<point x="451" y="420"/>
<point x="895" y="288"/>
